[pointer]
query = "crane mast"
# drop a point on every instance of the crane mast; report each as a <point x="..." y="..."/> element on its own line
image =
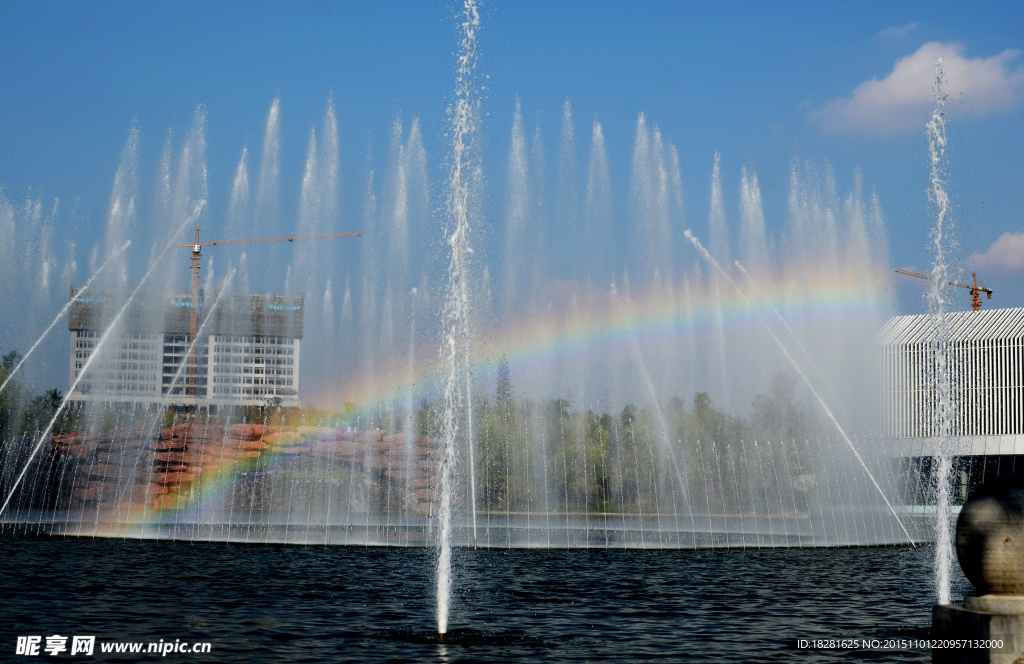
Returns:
<point x="190" y="380"/>
<point x="196" y="247"/>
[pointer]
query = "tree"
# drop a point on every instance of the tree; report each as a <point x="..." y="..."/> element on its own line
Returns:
<point x="13" y="401"/>
<point x="52" y="399"/>
<point x="709" y="422"/>
<point x="777" y="415"/>
<point x="11" y="360"/>
<point x="503" y="393"/>
<point x="785" y="428"/>
<point x="427" y="419"/>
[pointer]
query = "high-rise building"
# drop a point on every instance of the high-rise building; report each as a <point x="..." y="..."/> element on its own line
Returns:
<point x="247" y="352"/>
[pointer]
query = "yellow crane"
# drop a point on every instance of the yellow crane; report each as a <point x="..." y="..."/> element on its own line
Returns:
<point x="975" y="289"/>
<point x="196" y="247"/>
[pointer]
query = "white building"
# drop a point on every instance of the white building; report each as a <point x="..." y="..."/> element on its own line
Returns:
<point x="985" y="365"/>
<point x="247" y="353"/>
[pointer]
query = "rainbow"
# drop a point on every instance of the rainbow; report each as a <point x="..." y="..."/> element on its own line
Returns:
<point x="584" y="321"/>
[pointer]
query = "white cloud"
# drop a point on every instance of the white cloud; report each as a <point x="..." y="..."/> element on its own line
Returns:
<point x="1006" y="253"/>
<point x="897" y="31"/>
<point x="903" y="100"/>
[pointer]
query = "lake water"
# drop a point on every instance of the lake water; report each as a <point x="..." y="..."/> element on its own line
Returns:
<point x="273" y="603"/>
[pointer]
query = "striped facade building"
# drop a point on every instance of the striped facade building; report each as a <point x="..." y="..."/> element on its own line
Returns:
<point x="984" y="353"/>
<point x="247" y="353"/>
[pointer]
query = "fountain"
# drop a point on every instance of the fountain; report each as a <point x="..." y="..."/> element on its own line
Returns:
<point x="608" y="383"/>
<point x="613" y="462"/>
<point x="810" y="386"/>
<point x="937" y="308"/>
<point x="457" y="407"/>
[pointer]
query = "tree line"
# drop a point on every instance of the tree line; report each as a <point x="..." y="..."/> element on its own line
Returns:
<point x="23" y="411"/>
<point x="532" y="455"/>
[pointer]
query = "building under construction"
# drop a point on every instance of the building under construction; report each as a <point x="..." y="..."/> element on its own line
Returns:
<point x="247" y="352"/>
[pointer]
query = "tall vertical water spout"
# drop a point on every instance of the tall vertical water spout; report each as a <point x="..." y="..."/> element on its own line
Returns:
<point x="538" y="206"/>
<point x="368" y="295"/>
<point x="753" y="237"/>
<point x="517" y="235"/>
<point x="270" y="167"/>
<point x="943" y="415"/>
<point x="566" y="205"/>
<point x="464" y="121"/>
<point x="307" y="222"/>
<point x="162" y="216"/>
<point x="238" y="209"/>
<point x="190" y="184"/>
<point x="266" y="207"/>
<point x="121" y="216"/>
<point x="652" y="201"/>
<point x="719" y="234"/>
<point x="598" y="210"/>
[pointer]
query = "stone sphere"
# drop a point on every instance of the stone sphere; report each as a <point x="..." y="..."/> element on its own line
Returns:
<point x="990" y="536"/>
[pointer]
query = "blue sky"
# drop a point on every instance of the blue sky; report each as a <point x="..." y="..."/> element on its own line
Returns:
<point x="761" y="83"/>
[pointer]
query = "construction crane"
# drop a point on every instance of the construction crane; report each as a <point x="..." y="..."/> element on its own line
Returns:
<point x="975" y="289"/>
<point x="196" y="247"/>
